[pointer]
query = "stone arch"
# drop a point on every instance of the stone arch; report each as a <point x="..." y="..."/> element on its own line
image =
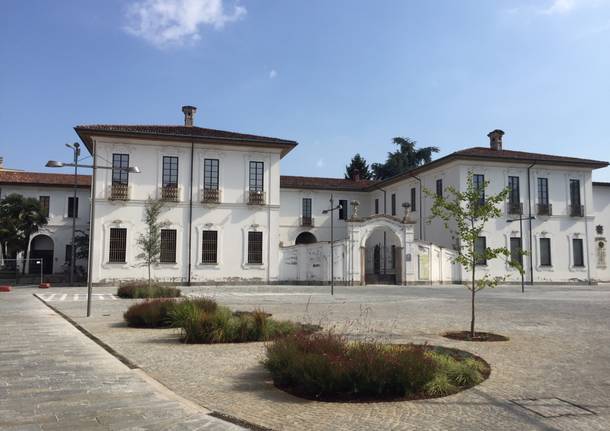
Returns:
<point x="41" y="249"/>
<point x="382" y="254"/>
<point x="305" y="238"/>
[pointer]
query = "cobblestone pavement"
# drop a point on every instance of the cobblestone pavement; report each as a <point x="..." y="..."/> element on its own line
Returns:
<point x="553" y="374"/>
<point x="52" y="377"/>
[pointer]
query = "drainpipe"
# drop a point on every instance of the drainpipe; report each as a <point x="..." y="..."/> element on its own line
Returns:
<point x="529" y="210"/>
<point x="190" y="215"/>
<point x="587" y="237"/>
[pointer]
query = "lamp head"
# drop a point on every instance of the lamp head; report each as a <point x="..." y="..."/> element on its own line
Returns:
<point x="54" y="164"/>
<point x="134" y="170"/>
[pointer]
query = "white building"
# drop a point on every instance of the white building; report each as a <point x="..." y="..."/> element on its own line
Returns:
<point x="232" y="218"/>
<point x="55" y="192"/>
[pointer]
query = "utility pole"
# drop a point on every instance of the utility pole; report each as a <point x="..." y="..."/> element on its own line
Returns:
<point x="331" y="210"/>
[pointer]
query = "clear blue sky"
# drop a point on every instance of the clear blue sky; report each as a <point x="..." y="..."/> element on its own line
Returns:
<point x="337" y="76"/>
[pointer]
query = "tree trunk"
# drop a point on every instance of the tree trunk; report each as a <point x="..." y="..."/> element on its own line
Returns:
<point x="25" y="253"/>
<point x="149" y="275"/>
<point x="472" y="308"/>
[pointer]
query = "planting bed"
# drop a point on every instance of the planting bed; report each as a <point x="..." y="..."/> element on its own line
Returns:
<point x="478" y="336"/>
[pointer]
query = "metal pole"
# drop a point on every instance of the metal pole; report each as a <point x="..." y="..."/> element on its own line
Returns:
<point x="91" y="232"/>
<point x="521" y="255"/>
<point x="74" y="206"/>
<point x="332" y="242"/>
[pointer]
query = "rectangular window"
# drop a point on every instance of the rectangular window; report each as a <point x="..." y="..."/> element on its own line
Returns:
<point x="478" y="181"/>
<point x="256" y="176"/>
<point x="209" y="246"/>
<point x="545" y="251"/>
<point x="413" y="198"/>
<point x="255" y="247"/>
<point x="170" y="171"/>
<point x="376" y="206"/>
<point x="306" y="210"/>
<point x="514" y="198"/>
<point x="210" y="174"/>
<point x="120" y="166"/>
<point x="343" y="209"/>
<point x="543" y="191"/>
<point x="577" y="249"/>
<point x="72" y="207"/>
<point x="68" y="257"/>
<point x="575" y="193"/>
<point x="168" y="246"/>
<point x="118" y="245"/>
<point x="479" y="249"/>
<point x="515" y="250"/>
<point x="439" y="188"/>
<point x="45" y="202"/>
<point x="393" y="200"/>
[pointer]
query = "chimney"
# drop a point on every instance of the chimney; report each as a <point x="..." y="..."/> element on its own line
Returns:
<point x="495" y="139"/>
<point x="1" y="162"/>
<point x="189" y="115"/>
<point x="356" y="174"/>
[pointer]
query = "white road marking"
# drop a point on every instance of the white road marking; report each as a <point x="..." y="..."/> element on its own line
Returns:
<point x="51" y="297"/>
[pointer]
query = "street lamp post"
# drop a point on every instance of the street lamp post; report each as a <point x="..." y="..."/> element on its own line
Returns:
<point x="94" y="167"/>
<point x="76" y="149"/>
<point x="520" y="219"/>
<point x="332" y="242"/>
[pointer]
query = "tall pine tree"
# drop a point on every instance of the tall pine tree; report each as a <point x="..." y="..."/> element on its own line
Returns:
<point x="358" y="165"/>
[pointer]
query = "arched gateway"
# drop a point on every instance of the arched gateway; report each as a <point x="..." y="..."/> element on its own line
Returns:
<point x="380" y="249"/>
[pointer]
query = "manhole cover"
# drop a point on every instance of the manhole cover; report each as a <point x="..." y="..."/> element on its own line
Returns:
<point x="552" y="407"/>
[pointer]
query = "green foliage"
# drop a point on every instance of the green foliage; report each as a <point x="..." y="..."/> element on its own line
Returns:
<point x="142" y="289"/>
<point x="465" y="214"/>
<point x="20" y="217"/>
<point x="150" y="241"/>
<point x="358" y="164"/>
<point x="406" y="158"/>
<point x="201" y="323"/>
<point x="328" y="366"/>
<point x="152" y="313"/>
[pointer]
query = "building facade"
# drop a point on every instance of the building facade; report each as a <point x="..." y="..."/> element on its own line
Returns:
<point x="230" y="217"/>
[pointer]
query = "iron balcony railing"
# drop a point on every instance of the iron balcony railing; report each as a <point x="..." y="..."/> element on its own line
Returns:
<point x="210" y="196"/>
<point x="256" y="197"/>
<point x="119" y="192"/>
<point x="306" y="221"/>
<point x="544" y="209"/>
<point x="577" y="210"/>
<point x="170" y="193"/>
<point x="515" y="208"/>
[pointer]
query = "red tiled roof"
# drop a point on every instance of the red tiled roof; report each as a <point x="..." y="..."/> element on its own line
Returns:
<point x="292" y="182"/>
<point x="43" y="179"/>
<point x="180" y="132"/>
<point x="487" y="154"/>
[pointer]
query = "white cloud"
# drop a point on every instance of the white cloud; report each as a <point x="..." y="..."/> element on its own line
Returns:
<point x="561" y="7"/>
<point x="167" y="22"/>
<point x="320" y="163"/>
<point x="272" y="73"/>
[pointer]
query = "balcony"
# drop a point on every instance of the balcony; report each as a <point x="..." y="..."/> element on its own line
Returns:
<point x="170" y="193"/>
<point x="514" y="208"/>
<point x="119" y="192"/>
<point x="544" y="209"/>
<point x="210" y="196"/>
<point x="577" y="210"/>
<point x="306" y="221"/>
<point x="256" y="197"/>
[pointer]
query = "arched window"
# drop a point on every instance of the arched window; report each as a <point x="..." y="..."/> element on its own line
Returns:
<point x="305" y="238"/>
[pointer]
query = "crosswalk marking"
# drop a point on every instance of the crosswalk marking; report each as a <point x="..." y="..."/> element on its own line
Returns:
<point x="52" y="297"/>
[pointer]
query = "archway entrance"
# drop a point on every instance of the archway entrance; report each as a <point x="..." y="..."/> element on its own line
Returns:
<point x="382" y="257"/>
<point x="305" y="238"/>
<point x="41" y="248"/>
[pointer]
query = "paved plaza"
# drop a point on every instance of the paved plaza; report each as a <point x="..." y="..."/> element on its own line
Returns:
<point x="553" y="374"/>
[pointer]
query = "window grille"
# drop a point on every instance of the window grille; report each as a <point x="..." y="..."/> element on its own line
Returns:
<point x="72" y="207"/>
<point x="168" y="246"/>
<point x="209" y="246"/>
<point x="255" y="247"/>
<point x="45" y="202"/>
<point x="118" y="245"/>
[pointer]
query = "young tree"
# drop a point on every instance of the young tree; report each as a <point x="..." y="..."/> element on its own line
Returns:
<point x="358" y="165"/>
<point x="20" y="218"/>
<point x="406" y="158"/>
<point x="150" y="241"/>
<point x="465" y="214"/>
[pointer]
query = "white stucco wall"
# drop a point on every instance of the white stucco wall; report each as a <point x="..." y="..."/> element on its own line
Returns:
<point x="599" y="246"/>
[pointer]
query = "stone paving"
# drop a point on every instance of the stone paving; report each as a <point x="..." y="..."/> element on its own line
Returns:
<point x="553" y="374"/>
<point x="52" y="377"/>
